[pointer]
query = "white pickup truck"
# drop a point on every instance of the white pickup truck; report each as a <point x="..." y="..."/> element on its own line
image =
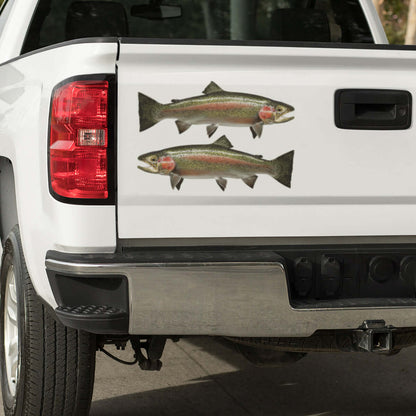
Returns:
<point x="240" y="168"/>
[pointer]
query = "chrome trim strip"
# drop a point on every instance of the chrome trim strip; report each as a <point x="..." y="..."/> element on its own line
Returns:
<point x="117" y="268"/>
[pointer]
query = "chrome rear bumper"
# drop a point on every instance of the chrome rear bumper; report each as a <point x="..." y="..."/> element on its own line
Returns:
<point x="246" y="299"/>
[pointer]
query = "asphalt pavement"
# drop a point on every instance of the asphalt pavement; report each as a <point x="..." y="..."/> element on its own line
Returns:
<point x="202" y="377"/>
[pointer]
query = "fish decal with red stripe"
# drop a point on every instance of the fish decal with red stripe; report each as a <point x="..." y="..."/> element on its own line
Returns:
<point x="215" y="108"/>
<point x="215" y="161"/>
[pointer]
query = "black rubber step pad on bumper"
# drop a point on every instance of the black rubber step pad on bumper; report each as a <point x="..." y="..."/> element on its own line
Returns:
<point x="100" y="319"/>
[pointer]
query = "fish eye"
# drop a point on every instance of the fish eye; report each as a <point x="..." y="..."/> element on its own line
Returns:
<point x="280" y="109"/>
<point x="153" y="158"/>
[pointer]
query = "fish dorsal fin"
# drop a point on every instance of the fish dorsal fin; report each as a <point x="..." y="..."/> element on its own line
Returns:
<point x="174" y="100"/>
<point x="212" y="88"/>
<point x="223" y="142"/>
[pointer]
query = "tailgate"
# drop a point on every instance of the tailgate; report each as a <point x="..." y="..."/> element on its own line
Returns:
<point x="344" y="182"/>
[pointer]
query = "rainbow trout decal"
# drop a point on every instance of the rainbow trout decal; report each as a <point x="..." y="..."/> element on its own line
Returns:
<point x="215" y="161"/>
<point x="216" y="107"/>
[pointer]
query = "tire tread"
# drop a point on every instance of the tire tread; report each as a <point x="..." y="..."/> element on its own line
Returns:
<point x="59" y="362"/>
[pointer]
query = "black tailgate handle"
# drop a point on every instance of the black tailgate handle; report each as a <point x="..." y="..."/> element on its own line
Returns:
<point x="360" y="109"/>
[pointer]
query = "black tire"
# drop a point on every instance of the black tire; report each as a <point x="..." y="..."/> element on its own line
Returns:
<point x="56" y="364"/>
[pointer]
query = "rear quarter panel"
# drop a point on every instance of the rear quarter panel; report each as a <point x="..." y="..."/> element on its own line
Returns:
<point x="26" y="85"/>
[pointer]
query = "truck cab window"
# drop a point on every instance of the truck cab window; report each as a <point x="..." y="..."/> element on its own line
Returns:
<point x="230" y="20"/>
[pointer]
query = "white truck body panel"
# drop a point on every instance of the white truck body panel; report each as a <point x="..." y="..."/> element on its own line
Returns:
<point x="345" y="182"/>
<point x="45" y="223"/>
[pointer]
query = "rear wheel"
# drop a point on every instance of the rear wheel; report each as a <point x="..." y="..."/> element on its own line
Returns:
<point x="47" y="369"/>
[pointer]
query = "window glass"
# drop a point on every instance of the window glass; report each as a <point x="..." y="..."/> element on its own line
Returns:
<point x="248" y="20"/>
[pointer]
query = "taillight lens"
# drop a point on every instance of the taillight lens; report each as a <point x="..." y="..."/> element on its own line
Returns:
<point x="79" y="140"/>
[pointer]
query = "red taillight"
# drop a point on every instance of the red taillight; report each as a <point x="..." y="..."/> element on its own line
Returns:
<point x="79" y="140"/>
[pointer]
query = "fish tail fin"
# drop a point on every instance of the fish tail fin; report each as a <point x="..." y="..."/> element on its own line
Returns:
<point x="149" y="111"/>
<point x="283" y="166"/>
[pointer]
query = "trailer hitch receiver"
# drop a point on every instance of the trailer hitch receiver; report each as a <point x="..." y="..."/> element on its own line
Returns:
<point x="374" y="336"/>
